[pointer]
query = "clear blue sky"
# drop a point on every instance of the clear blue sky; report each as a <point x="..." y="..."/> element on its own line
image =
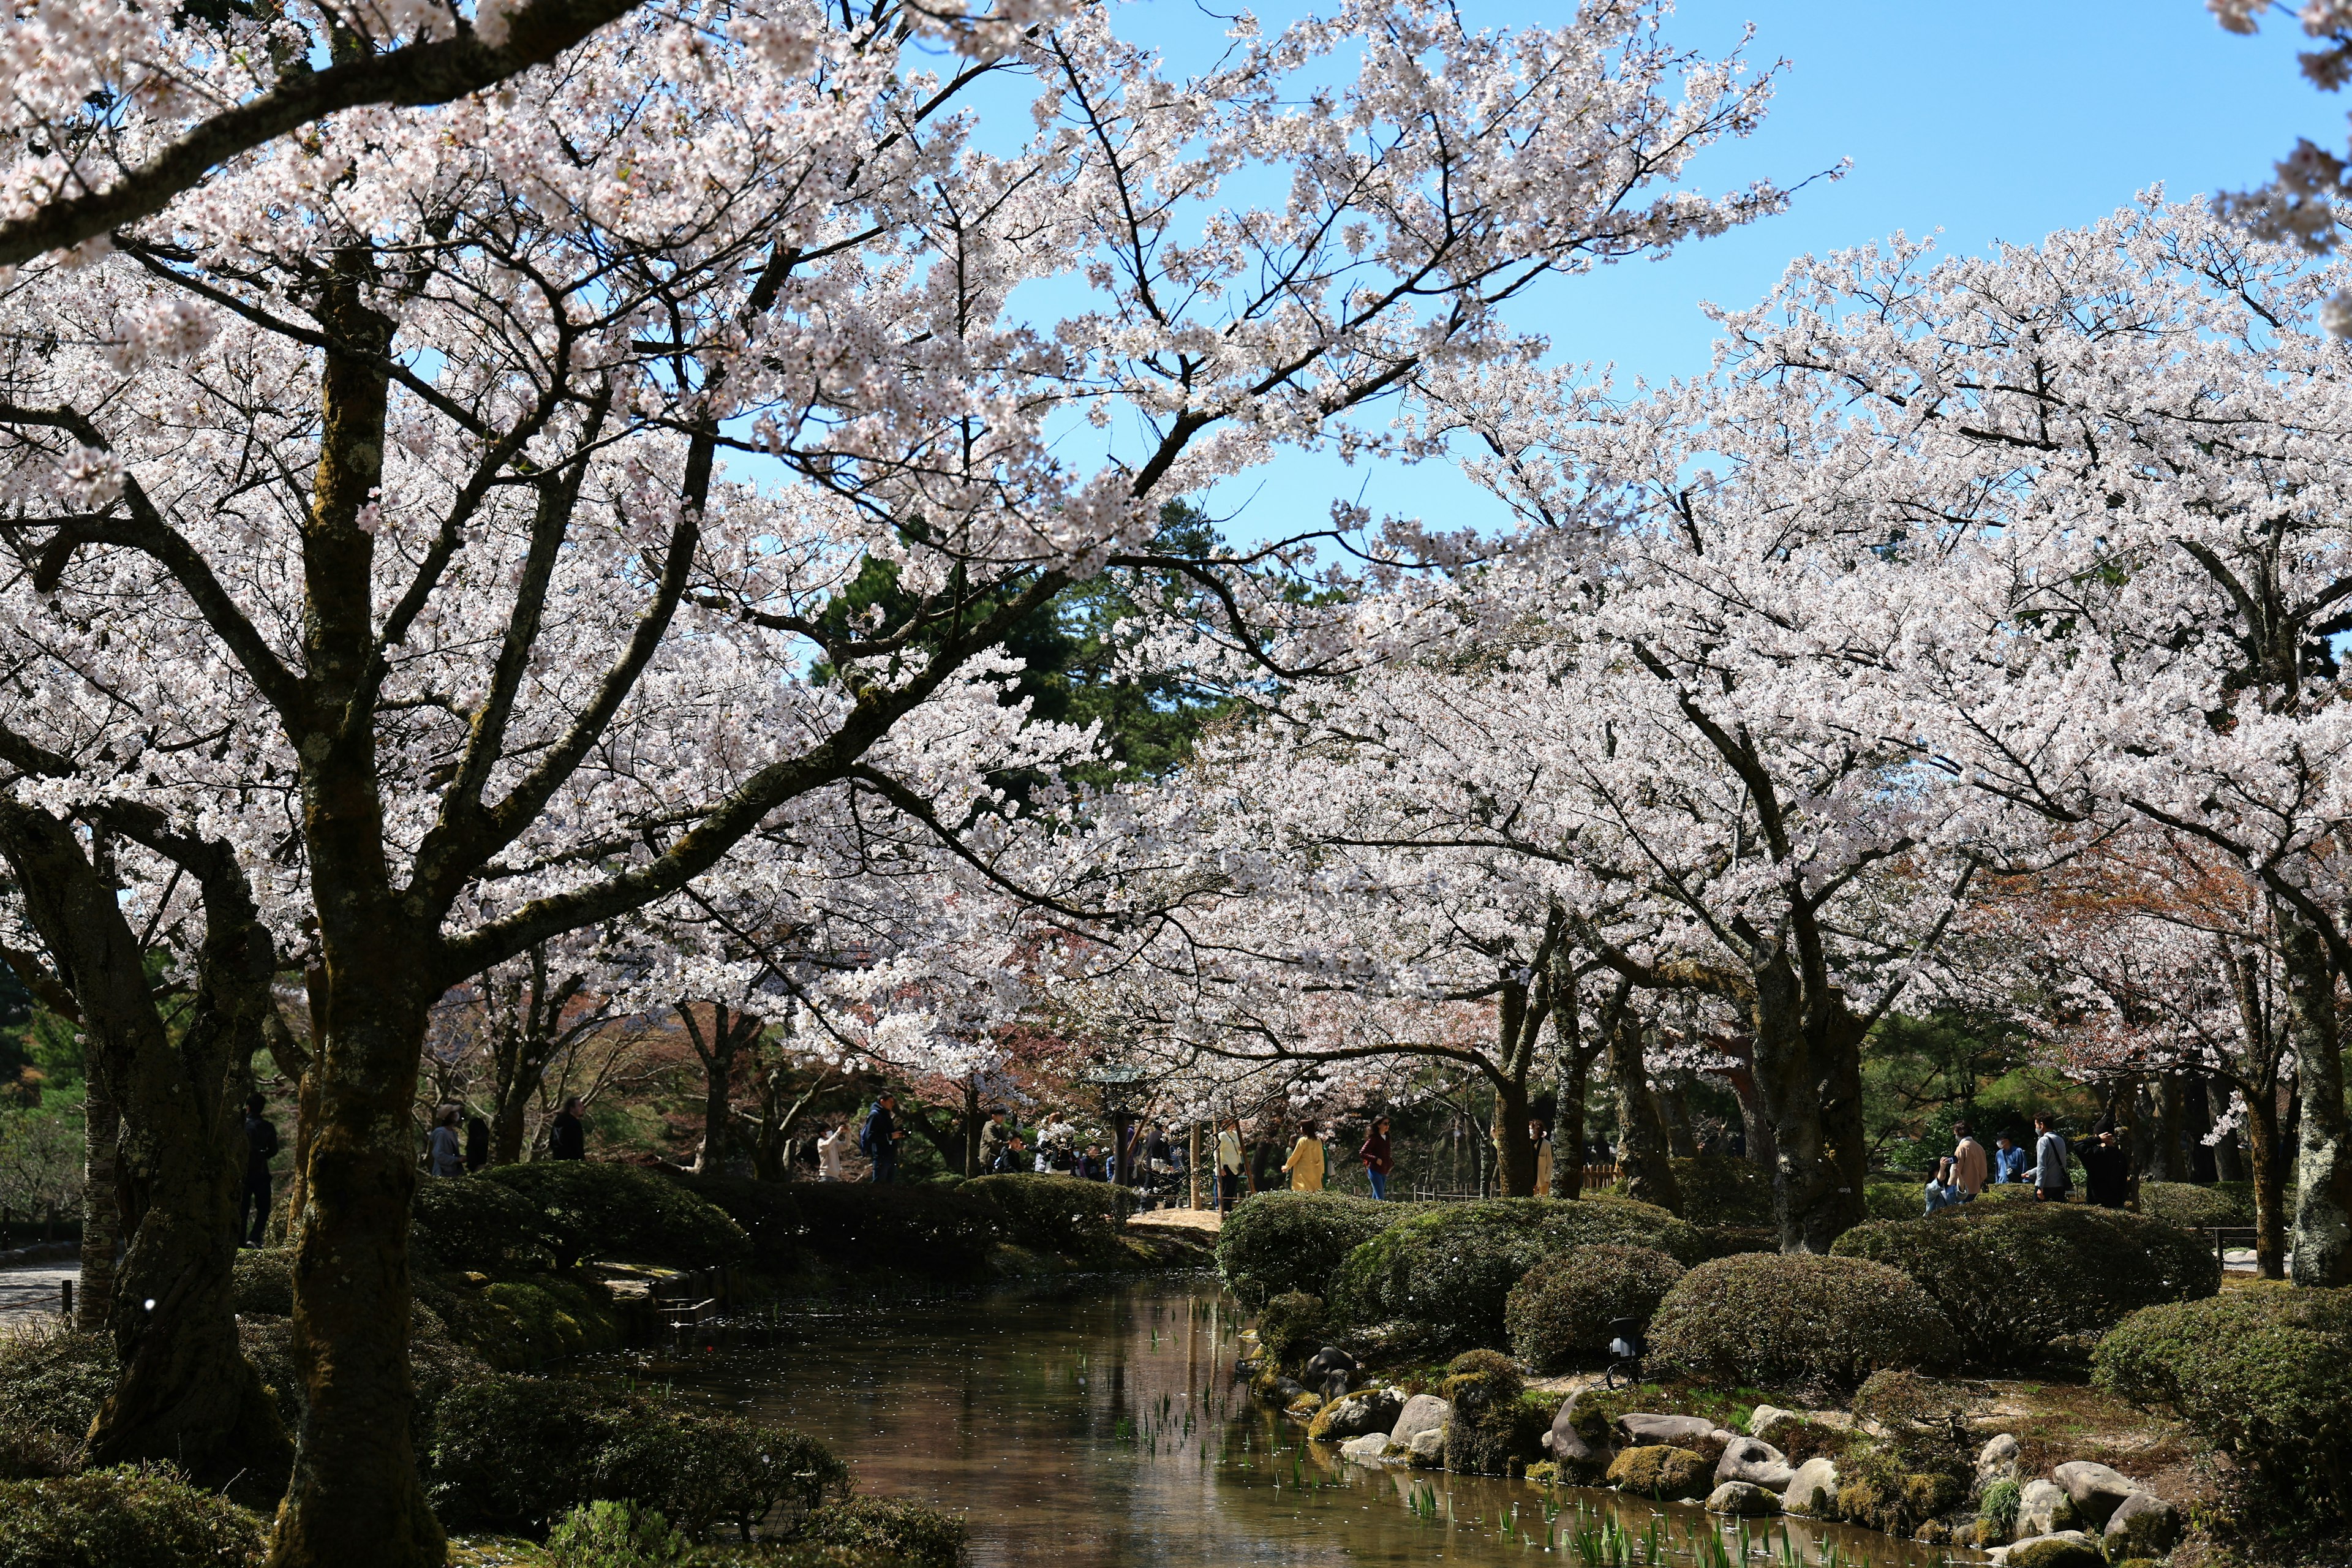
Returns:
<point x="1983" y="118"/>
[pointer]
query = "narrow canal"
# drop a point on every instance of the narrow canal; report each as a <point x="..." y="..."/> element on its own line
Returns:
<point x="1100" y="1425"/>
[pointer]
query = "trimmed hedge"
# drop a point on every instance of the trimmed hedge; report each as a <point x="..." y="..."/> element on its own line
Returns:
<point x="491" y="1227"/>
<point x="134" y="1516"/>
<point x="1054" y="1214"/>
<point x="913" y="1536"/>
<point x="1278" y="1242"/>
<point x="1772" y="1319"/>
<point x="51" y="1385"/>
<point x="2264" y="1373"/>
<point x="1291" y="1327"/>
<point x="1559" y="1314"/>
<point x="1723" y="1190"/>
<point x="1439" y="1279"/>
<point x="2194" y="1207"/>
<point x="622" y="1213"/>
<point x="796" y="1225"/>
<point x="520" y="1322"/>
<point x="2023" y="1284"/>
<point x="263" y="1284"/>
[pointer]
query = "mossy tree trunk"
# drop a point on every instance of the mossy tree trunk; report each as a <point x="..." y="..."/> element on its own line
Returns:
<point x="1641" y="1164"/>
<point x="2322" y="1248"/>
<point x="1573" y="1062"/>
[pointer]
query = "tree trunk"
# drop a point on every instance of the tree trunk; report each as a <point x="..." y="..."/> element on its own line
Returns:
<point x="2323" y="1153"/>
<point x="1514" y="1151"/>
<point x="2197" y="1124"/>
<point x="101" y="1215"/>
<point x="1641" y="1136"/>
<point x="971" y="1121"/>
<point x="2264" y="1147"/>
<point x="1809" y="1076"/>
<point x="1572" y="1068"/>
<point x="1836" y="1052"/>
<point x="1674" y="1106"/>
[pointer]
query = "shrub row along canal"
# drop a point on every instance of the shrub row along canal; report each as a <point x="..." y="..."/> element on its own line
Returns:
<point x="1101" y="1423"/>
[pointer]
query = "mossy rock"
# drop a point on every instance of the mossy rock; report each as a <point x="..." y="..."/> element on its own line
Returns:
<point x="1660" y="1472"/>
<point x="520" y="1322"/>
<point x="2057" y="1551"/>
<point x="1484" y="1435"/>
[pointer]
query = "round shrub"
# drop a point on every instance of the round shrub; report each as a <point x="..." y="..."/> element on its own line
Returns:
<point x="135" y="1517"/>
<point x="2193" y="1207"/>
<point x="1274" y="1242"/>
<point x="1557" y="1315"/>
<point x="792" y="1225"/>
<point x="615" y="1535"/>
<point x="2024" y="1284"/>
<point x="1763" y="1317"/>
<point x="1055" y="1213"/>
<point x="1291" y="1327"/>
<point x="1482" y="1437"/>
<point x="264" y="1282"/>
<point x="2264" y="1373"/>
<point x="1438" y="1280"/>
<point x="911" y="1535"/>
<point x="622" y="1214"/>
<point x="469" y="1223"/>
<point x="51" y="1383"/>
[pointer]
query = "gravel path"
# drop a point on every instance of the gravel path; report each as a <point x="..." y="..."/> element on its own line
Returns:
<point x="32" y="1291"/>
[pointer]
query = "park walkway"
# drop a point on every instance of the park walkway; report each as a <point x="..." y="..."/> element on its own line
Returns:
<point x="30" y="1290"/>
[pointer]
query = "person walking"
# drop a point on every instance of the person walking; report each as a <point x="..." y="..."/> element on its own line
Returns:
<point x="261" y="1148"/>
<point x="478" y="1144"/>
<point x="2008" y="1161"/>
<point x="1969" y="1167"/>
<point x="2106" y="1171"/>
<point x="1230" y="1174"/>
<point x="1541" y="1136"/>
<point x="991" y="1138"/>
<point x="833" y="1153"/>
<point x="1378" y="1161"/>
<point x="879" y="1141"/>
<point x="445" y="1152"/>
<point x="566" y="1137"/>
<point x="2050" y="1183"/>
<point x="1306" y="1162"/>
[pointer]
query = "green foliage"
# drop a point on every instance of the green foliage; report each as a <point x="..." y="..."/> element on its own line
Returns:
<point x="2023" y="1284"/>
<point x="487" y="1226"/>
<point x="1559" y="1314"/>
<point x="2187" y="1204"/>
<point x="1274" y="1242"/>
<point x="1054" y="1214"/>
<point x="623" y="1214"/>
<point x="1291" y="1327"/>
<point x="1765" y="1319"/>
<point x="511" y="1453"/>
<point x="797" y="1225"/>
<point x="1893" y="1200"/>
<point x="524" y="1321"/>
<point x="134" y="1516"/>
<point x="2264" y="1373"/>
<point x="1720" y="1190"/>
<point x="1997" y="1510"/>
<point x="1884" y="1495"/>
<point x="915" y="1536"/>
<point x="615" y="1535"/>
<point x="41" y="1151"/>
<point x="263" y="1286"/>
<point x="1483" y="1388"/>
<point x="52" y="1381"/>
<point x="1924" y="1423"/>
<point x="1439" y="1279"/>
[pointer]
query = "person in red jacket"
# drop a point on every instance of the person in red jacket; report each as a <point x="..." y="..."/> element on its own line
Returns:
<point x="1376" y="1159"/>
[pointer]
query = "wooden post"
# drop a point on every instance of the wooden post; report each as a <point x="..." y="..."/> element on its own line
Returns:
<point x="1193" y="1165"/>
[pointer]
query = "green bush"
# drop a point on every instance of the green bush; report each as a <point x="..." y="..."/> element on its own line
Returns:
<point x="1482" y="1437"/>
<point x="52" y="1381"/>
<point x="2264" y="1373"/>
<point x="522" y="1322"/>
<point x="491" y="1227"/>
<point x="1997" y="1510"/>
<point x="135" y="1517"/>
<point x="917" y="1537"/>
<point x="1721" y="1190"/>
<point x="1439" y="1279"/>
<point x="1291" y="1327"/>
<point x="797" y="1225"/>
<point x="2195" y="1207"/>
<point x="2024" y="1284"/>
<point x="1274" y="1242"/>
<point x="512" y="1454"/>
<point x="615" y="1535"/>
<point x="623" y="1214"/>
<point x="264" y="1282"/>
<point x="1055" y="1213"/>
<point x="1775" y="1321"/>
<point x="1557" y="1315"/>
<point x="1923" y="1422"/>
<point x="1894" y="1200"/>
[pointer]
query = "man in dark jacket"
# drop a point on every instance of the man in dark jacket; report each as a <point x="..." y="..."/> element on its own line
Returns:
<point x="261" y="1148"/>
<point x="566" y="1138"/>
<point x="2107" y="1169"/>
<point x="878" y="1139"/>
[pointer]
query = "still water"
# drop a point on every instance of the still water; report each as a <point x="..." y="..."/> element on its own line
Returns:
<point x="1100" y="1425"/>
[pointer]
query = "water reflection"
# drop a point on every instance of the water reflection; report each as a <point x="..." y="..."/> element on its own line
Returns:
<point x="1099" y="1425"/>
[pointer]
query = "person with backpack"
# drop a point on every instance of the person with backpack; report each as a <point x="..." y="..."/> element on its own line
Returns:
<point x="2050" y="1183"/>
<point x="566" y="1137"/>
<point x="261" y="1148"/>
<point x="878" y="1139"/>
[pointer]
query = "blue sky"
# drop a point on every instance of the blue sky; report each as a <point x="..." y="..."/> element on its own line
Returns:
<point x="1990" y="120"/>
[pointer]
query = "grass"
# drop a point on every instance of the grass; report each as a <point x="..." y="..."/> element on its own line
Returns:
<point x="495" y="1552"/>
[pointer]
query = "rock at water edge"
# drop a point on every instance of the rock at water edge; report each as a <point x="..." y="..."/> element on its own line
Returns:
<point x="2143" y="1525"/>
<point x="1654" y="1471"/>
<point x="1743" y="1498"/>
<point x="1367" y="1449"/>
<point x="1814" y="1489"/>
<point x="1422" y="1413"/>
<point x="1755" y="1461"/>
<point x="1997" y="1461"/>
<point x="1672" y="1431"/>
<point x="2044" y="1508"/>
<point x="2096" y="1489"/>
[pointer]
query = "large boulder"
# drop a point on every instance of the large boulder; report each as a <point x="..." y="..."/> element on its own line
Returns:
<point x="1669" y="1431"/>
<point x="1422" y="1413"/>
<point x="1567" y="1445"/>
<point x="1743" y="1498"/>
<point x="1756" y="1462"/>
<point x="1660" y="1472"/>
<point x="1427" y="1447"/>
<point x="2095" y="1490"/>
<point x="1369" y="1412"/>
<point x="2063" y="1549"/>
<point x="2143" y="1525"/>
<point x="1764" y="1417"/>
<point x="2043" y="1507"/>
<point x="1814" y="1489"/>
<point x="1366" y="1450"/>
<point x="1330" y="1371"/>
<point x="1997" y="1461"/>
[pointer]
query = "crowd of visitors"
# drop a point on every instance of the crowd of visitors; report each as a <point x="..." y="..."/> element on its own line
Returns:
<point x="1962" y="1175"/>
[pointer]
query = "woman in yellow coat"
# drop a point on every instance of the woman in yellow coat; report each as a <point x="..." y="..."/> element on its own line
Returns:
<point x="1306" y="1162"/>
